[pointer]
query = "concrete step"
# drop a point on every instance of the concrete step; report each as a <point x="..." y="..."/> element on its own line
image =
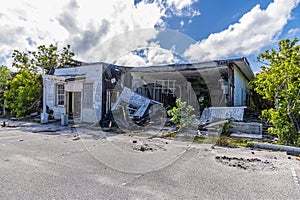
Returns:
<point x="246" y="135"/>
<point x="214" y="131"/>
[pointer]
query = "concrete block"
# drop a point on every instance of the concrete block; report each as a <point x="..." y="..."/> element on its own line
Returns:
<point x="249" y="128"/>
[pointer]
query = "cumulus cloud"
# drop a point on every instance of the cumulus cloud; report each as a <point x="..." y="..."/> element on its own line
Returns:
<point x="182" y="7"/>
<point x="294" y="32"/>
<point x="26" y="25"/>
<point x="82" y="24"/>
<point x="152" y="55"/>
<point x="112" y="49"/>
<point x="255" y="30"/>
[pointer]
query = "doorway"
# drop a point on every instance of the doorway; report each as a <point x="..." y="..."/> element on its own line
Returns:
<point x="74" y="105"/>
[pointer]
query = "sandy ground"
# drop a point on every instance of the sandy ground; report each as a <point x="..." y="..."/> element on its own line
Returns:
<point x="58" y="162"/>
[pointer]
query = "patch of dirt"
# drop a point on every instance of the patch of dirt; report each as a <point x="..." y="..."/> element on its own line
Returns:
<point x="148" y="147"/>
<point x="253" y="164"/>
<point x="139" y="144"/>
<point x="143" y="147"/>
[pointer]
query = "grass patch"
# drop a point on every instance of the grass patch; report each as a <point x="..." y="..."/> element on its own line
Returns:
<point x="200" y="139"/>
<point x="238" y="142"/>
<point x="206" y="140"/>
<point x="224" y="141"/>
<point x="170" y="134"/>
<point x="233" y="142"/>
<point x="167" y="135"/>
<point x="5" y="116"/>
<point x="250" y="144"/>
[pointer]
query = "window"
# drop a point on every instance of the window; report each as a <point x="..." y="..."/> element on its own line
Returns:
<point x="60" y="94"/>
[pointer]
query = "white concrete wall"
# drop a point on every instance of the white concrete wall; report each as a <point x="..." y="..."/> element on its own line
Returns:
<point x="51" y="99"/>
<point x="241" y="88"/>
<point x="93" y="74"/>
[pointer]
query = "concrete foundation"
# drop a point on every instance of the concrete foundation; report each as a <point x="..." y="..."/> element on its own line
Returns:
<point x="249" y="127"/>
<point x="64" y="119"/>
<point x="44" y="117"/>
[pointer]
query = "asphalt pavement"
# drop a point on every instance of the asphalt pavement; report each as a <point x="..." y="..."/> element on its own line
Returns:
<point x="73" y="164"/>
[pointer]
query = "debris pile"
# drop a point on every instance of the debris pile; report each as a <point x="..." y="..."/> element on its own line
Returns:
<point x="132" y="109"/>
<point x="4" y="124"/>
<point x="143" y="147"/>
<point x="148" y="145"/>
<point x="213" y="119"/>
<point x="246" y="163"/>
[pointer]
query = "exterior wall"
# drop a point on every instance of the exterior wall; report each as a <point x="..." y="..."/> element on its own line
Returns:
<point x="241" y="88"/>
<point x="93" y="75"/>
<point x="51" y="99"/>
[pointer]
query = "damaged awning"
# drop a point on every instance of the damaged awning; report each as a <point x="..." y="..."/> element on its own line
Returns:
<point x="241" y="63"/>
<point x="64" y="78"/>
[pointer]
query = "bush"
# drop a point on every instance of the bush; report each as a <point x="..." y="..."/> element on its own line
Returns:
<point x="182" y="116"/>
<point x="222" y="141"/>
<point x="227" y="126"/>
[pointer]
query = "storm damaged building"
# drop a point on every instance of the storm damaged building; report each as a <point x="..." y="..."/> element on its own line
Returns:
<point x="89" y="92"/>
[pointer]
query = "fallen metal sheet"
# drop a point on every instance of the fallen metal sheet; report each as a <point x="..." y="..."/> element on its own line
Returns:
<point x="235" y="113"/>
<point x="132" y="98"/>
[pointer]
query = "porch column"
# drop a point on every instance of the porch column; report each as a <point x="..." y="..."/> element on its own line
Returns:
<point x="44" y="114"/>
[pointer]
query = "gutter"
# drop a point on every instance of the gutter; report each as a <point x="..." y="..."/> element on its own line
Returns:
<point x="277" y="147"/>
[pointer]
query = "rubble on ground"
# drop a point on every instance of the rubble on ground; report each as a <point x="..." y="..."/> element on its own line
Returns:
<point x="254" y="164"/>
<point x="245" y="124"/>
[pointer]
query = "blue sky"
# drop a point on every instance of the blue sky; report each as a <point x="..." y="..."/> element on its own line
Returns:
<point x="114" y="31"/>
<point x="217" y="15"/>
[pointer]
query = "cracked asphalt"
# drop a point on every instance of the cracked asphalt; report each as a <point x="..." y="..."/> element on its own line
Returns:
<point x="56" y="165"/>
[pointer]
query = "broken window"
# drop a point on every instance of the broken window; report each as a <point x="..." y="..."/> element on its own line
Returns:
<point x="162" y="91"/>
<point x="60" y="94"/>
<point x="158" y="89"/>
<point x="112" y="96"/>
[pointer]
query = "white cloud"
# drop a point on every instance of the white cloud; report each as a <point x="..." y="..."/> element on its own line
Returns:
<point x="180" y="4"/>
<point x="182" y="7"/>
<point x="113" y="48"/>
<point x="181" y="23"/>
<point x="27" y="24"/>
<point x="131" y="60"/>
<point x="294" y="31"/>
<point x="255" y="30"/>
<point x="152" y="55"/>
<point x="82" y="24"/>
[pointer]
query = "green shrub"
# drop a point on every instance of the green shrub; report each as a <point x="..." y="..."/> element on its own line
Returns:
<point x="227" y="126"/>
<point x="182" y="116"/>
<point x="222" y="141"/>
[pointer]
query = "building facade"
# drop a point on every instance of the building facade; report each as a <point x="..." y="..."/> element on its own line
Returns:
<point x="88" y="92"/>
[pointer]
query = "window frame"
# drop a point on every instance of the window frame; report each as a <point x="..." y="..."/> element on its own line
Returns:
<point x="60" y="94"/>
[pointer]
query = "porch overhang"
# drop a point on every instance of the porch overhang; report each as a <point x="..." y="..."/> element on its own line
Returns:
<point x="64" y="78"/>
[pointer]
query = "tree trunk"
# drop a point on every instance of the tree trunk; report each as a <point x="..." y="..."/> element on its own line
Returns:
<point x="294" y="121"/>
<point x="276" y="100"/>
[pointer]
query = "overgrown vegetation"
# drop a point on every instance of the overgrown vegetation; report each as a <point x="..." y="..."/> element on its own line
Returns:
<point x="5" y="78"/>
<point x="224" y="141"/>
<point x="258" y="102"/>
<point x="279" y="83"/>
<point x="182" y="116"/>
<point x="22" y="93"/>
<point x="226" y="129"/>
